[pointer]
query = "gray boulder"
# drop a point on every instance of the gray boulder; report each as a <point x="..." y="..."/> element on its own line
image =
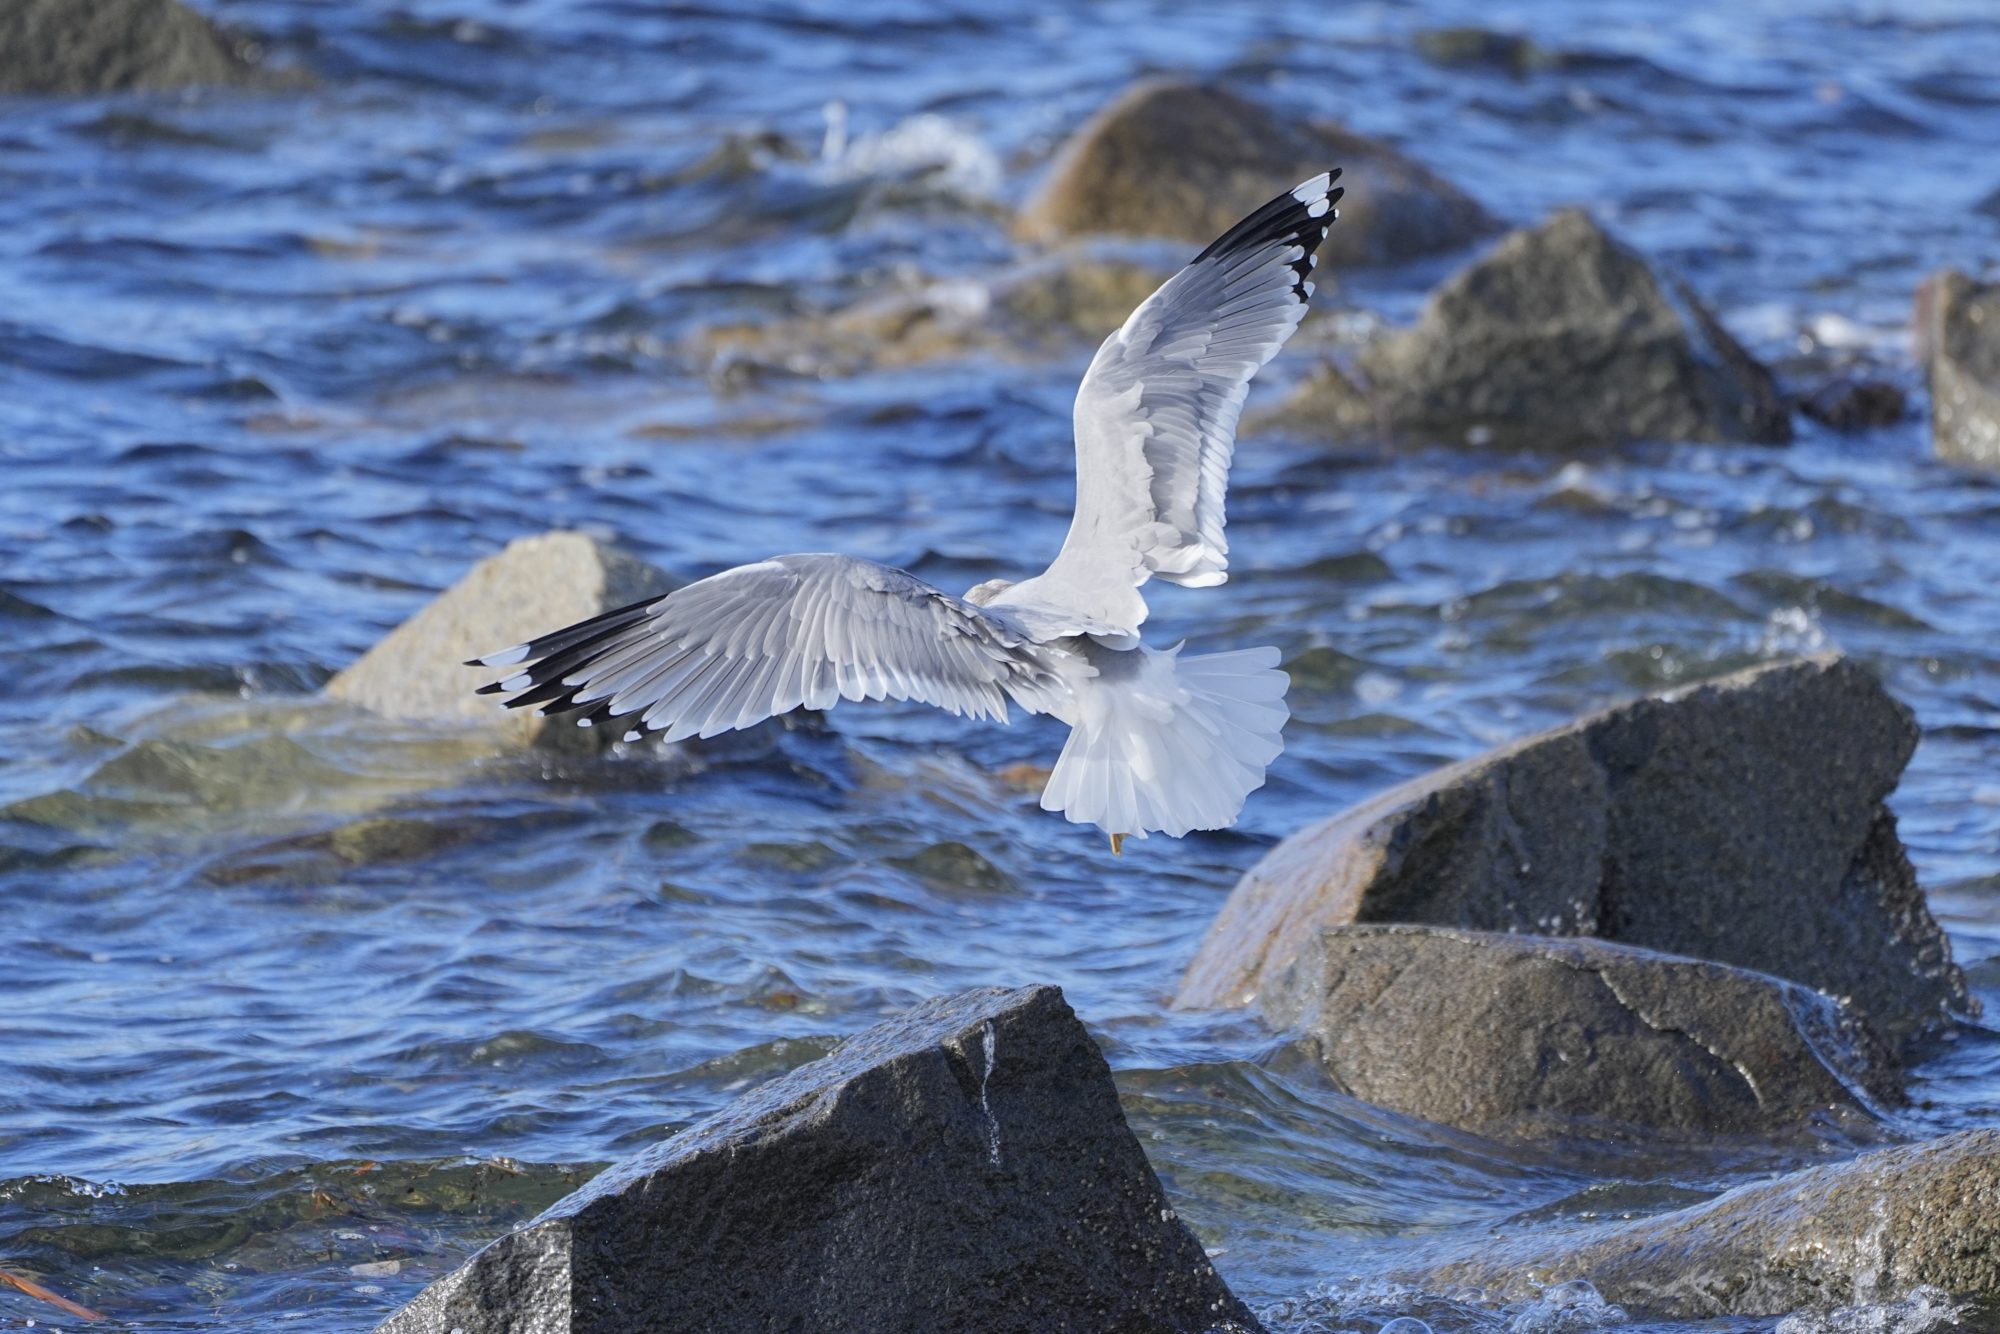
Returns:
<point x="1867" y="1230"/>
<point x="1526" y="1036"/>
<point x="1958" y="341"/>
<point x="1741" y="820"/>
<point x="102" y="46"/>
<point x="964" y="1166"/>
<point x="1561" y="338"/>
<point x="537" y="584"/>
<point x="1188" y="160"/>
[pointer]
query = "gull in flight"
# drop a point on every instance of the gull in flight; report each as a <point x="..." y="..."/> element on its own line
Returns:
<point x="1158" y="742"/>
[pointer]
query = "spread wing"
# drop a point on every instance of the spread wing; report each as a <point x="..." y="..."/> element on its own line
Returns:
<point x="763" y="639"/>
<point x="1156" y="415"/>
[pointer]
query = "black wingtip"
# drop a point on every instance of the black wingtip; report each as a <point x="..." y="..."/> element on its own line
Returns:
<point x="1300" y="216"/>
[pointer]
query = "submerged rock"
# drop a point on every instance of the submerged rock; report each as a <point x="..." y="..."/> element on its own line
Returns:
<point x="1850" y="404"/>
<point x="1189" y="160"/>
<point x="964" y="1166"/>
<point x="536" y="585"/>
<point x="1561" y="338"/>
<point x="1741" y="820"/>
<point x="1527" y="1035"/>
<point x="1467" y="47"/>
<point x="1958" y="341"/>
<point x="1036" y="308"/>
<point x="102" y="46"/>
<point x="1862" y="1231"/>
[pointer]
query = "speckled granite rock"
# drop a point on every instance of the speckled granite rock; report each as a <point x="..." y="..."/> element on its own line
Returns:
<point x="1866" y="1230"/>
<point x="1741" y="820"/>
<point x="1525" y="1036"/>
<point x="103" y="46"/>
<point x="964" y="1166"/>
<point x="1560" y="338"/>
<point x="1958" y="341"/>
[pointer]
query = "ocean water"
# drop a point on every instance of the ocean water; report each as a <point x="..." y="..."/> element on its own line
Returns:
<point x="299" y="1008"/>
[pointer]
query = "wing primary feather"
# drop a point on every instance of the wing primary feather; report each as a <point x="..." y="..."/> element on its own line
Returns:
<point x="570" y="636"/>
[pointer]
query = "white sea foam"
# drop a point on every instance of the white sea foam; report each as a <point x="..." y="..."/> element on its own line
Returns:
<point x="925" y="142"/>
<point x="1376" y="1307"/>
<point x="1919" y="1311"/>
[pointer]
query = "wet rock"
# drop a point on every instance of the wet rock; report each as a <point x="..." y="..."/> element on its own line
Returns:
<point x="1460" y="48"/>
<point x="1077" y="294"/>
<point x="1851" y="404"/>
<point x="100" y="46"/>
<point x="1188" y="160"/>
<point x="1958" y="341"/>
<point x="536" y="585"/>
<point x="1862" y="1231"/>
<point x="964" y="1166"/>
<point x="1037" y="308"/>
<point x="1528" y="1035"/>
<point x="1561" y="338"/>
<point x="1740" y="820"/>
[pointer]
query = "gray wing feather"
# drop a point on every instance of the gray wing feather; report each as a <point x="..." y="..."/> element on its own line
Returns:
<point x="763" y="639"/>
<point x="1157" y="411"/>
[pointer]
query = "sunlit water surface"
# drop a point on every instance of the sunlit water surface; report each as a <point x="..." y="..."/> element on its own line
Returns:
<point x="299" y="1009"/>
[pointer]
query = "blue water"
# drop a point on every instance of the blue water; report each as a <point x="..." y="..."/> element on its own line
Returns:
<point x="300" y="1008"/>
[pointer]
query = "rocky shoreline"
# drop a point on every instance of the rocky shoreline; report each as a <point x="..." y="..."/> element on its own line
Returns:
<point x="1684" y="920"/>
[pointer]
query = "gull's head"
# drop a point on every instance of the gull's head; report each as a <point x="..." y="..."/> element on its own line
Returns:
<point x="980" y="595"/>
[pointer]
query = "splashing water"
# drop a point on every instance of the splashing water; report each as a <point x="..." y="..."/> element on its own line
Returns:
<point x="1375" y="1307"/>
<point x="1919" y="1311"/>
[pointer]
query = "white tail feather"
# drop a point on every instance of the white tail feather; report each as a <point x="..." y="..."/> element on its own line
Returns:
<point x="1169" y="744"/>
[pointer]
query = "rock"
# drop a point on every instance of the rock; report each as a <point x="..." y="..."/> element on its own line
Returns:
<point x="1850" y="404"/>
<point x="1561" y="338"/>
<point x="964" y="1166"/>
<point x="67" y="47"/>
<point x="1039" y="307"/>
<point x="1189" y="160"/>
<point x="1958" y="342"/>
<point x="1740" y="820"/>
<point x="1076" y="294"/>
<point x="536" y="585"/>
<point x="1866" y="1230"/>
<point x="1458" y="48"/>
<point x="1527" y="1036"/>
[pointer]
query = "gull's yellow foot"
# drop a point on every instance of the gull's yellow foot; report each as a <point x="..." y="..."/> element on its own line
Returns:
<point x="1118" y="845"/>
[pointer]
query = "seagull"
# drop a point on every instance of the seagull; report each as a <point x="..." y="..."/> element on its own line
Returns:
<point x="1158" y="742"/>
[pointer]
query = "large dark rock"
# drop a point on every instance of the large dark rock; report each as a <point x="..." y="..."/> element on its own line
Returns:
<point x="1741" y="820"/>
<point x="1188" y="161"/>
<point x="962" y="1167"/>
<point x="537" y="584"/>
<point x="1958" y="340"/>
<point x="1561" y="338"/>
<point x="1531" y="1036"/>
<point x="102" y="46"/>
<point x="1863" y="1231"/>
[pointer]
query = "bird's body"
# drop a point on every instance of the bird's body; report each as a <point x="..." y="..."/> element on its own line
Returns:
<point x="1158" y="741"/>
